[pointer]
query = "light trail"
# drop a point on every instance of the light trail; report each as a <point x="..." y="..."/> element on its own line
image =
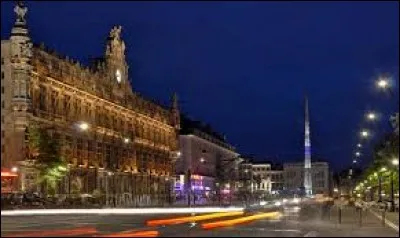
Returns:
<point x="132" y="234"/>
<point x="119" y="211"/>
<point x="68" y="232"/>
<point x="236" y="221"/>
<point x="180" y="220"/>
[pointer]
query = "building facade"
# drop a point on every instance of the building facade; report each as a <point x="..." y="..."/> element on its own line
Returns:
<point x="294" y="177"/>
<point x="207" y="158"/>
<point x="262" y="178"/>
<point x="277" y="180"/>
<point x="115" y="142"/>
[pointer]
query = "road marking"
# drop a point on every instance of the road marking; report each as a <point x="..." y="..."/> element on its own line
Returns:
<point x="236" y="221"/>
<point x="389" y="223"/>
<point x="311" y="234"/>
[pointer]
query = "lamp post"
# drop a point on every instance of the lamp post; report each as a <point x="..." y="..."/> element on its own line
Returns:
<point x="380" y="183"/>
<point x="83" y="126"/>
<point x="395" y="162"/>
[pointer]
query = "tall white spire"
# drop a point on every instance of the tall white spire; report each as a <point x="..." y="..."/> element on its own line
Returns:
<point x="307" y="152"/>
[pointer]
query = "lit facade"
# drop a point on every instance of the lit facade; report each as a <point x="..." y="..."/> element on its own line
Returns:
<point x="294" y="177"/>
<point x="208" y="157"/>
<point x="261" y="178"/>
<point x="130" y="143"/>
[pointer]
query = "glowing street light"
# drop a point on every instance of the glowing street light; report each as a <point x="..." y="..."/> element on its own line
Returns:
<point x="83" y="126"/>
<point x="382" y="83"/>
<point x="364" y="133"/>
<point x="354" y="161"/>
<point x="358" y="154"/>
<point x="395" y="162"/>
<point x="371" y="116"/>
<point x="359" y="145"/>
<point x="14" y="169"/>
<point x="126" y="140"/>
<point x="202" y="160"/>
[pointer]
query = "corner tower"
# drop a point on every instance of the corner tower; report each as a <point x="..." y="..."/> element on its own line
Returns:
<point x="19" y="110"/>
<point x="117" y="67"/>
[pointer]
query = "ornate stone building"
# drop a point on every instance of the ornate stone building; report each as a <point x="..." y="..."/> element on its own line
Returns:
<point x="116" y="142"/>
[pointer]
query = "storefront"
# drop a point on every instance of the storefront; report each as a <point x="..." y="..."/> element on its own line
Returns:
<point x="9" y="180"/>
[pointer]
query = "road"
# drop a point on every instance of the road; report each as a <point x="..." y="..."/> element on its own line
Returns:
<point x="291" y="222"/>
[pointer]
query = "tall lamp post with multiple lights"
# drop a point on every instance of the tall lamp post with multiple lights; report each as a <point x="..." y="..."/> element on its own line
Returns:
<point x="395" y="162"/>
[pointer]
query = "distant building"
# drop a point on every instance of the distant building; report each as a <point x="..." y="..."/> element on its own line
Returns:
<point x="206" y="155"/>
<point x="277" y="179"/>
<point x="245" y="176"/>
<point x="346" y="180"/>
<point x="260" y="177"/>
<point x="294" y="177"/>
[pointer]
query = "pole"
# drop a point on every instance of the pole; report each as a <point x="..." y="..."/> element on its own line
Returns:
<point x="391" y="192"/>
<point x="340" y="214"/>
<point x="106" y="189"/>
<point x="360" y="216"/>
<point x="380" y="189"/>
<point x="189" y="186"/>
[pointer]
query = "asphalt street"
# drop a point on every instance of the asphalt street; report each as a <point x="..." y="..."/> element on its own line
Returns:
<point x="306" y="222"/>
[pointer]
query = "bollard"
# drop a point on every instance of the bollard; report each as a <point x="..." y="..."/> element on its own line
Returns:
<point x="360" y="217"/>
<point x="340" y="215"/>
<point x="383" y="217"/>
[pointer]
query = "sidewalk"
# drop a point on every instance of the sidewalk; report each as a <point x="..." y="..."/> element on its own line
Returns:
<point x="391" y="218"/>
<point x="329" y="225"/>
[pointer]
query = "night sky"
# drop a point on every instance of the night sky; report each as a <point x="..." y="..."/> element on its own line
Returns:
<point x="244" y="67"/>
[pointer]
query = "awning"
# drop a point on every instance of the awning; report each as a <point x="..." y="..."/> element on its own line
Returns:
<point x="5" y="173"/>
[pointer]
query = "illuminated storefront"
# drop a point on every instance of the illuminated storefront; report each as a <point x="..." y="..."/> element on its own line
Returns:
<point x="8" y="179"/>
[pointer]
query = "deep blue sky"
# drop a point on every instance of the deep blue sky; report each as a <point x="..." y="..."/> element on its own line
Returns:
<point x="244" y="67"/>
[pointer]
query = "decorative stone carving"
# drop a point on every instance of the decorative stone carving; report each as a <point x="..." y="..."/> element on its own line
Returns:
<point x="26" y="49"/>
<point x="20" y="10"/>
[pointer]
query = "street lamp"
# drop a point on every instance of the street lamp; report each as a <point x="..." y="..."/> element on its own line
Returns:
<point x="126" y="140"/>
<point x="371" y="116"/>
<point x="358" y="154"/>
<point x="395" y="162"/>
<point x="14" y="169"/>
<point x="382" y="83"/>
<point x="359" y="145"/>
<point x="354" y="161"/>
<point x="364" y="133"/>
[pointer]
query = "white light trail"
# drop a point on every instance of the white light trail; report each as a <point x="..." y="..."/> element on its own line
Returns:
<point x="119" y="211"/>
